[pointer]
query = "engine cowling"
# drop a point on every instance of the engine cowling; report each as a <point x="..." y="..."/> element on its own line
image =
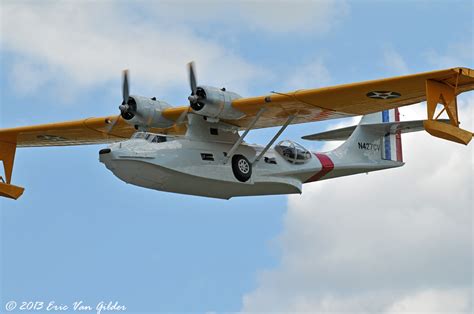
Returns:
<point x="145" y="112"/>
<point x="215" y="103"/>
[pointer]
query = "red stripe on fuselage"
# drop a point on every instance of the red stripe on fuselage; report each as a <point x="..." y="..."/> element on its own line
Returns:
<point x="327" y="166"/>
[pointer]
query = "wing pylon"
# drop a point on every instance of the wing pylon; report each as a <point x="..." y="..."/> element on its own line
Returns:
<point x="445" y="94"/>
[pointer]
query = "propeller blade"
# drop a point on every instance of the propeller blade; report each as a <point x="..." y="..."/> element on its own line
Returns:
<point x="125" y="88"/>
<point x="192" y="78"/>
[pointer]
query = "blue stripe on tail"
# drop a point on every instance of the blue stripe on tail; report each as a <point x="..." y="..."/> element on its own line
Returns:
<point x="386" y="118"/>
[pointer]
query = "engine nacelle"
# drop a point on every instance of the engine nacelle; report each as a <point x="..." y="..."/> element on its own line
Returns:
<point x="216" y="103"/>
<point x="145" y="112"/>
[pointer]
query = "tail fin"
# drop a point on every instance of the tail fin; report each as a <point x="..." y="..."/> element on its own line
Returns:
<point x="376" y="139"/>
<point x="391" y="145"/>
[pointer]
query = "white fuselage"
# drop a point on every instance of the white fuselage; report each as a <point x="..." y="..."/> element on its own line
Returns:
<point x="196" y="163"/>
<point x="178" y="166"/>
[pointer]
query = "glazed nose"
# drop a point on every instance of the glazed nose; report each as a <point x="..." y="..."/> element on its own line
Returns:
<point x="104" y="151"/>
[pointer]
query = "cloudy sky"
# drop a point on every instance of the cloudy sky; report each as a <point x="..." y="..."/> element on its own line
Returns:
<point x="397" y="241"/>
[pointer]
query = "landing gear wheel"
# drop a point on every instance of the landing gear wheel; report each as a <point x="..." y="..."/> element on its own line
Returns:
<point x="241" y="167"/>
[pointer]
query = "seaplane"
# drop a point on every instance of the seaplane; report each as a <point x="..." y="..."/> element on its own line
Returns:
<point x="200" y="149"/>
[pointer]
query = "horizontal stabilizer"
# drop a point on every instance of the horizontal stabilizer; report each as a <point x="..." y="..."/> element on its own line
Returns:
<point x="383" y="128"/>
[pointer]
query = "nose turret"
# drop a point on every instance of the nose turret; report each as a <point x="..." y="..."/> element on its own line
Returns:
<point x="105" y="155"/>
<point x="104" y="151"/>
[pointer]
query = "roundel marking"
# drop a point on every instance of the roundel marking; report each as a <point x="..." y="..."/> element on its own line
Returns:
<point x="383" y="95"/>
<point x="52" y="138"/>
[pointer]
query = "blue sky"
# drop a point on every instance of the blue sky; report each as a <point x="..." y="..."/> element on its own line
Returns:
<point x="79" y="233"/>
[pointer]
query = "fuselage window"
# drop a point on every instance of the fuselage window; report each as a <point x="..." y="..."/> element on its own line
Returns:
<point x="206" y="156"/>
<point x="270" y="160"/>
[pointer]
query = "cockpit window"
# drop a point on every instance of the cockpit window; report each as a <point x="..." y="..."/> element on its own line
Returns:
<point x="293" y="152"/>
<point x="150" y="137"/>
<point x="139" y="135"/>
<point x="158" y="139"/>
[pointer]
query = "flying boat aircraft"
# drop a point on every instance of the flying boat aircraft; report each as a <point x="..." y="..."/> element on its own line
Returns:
<point x="199" y="149"/>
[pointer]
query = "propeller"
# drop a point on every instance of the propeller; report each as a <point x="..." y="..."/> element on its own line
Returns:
<point x="128" y="106"/>
<point x="125" y="86"/>
<point x="192" y="78"/>
<point x="197" y="93"/>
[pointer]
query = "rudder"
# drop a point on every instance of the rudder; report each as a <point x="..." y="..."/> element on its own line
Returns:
<point x="391" y="144"/>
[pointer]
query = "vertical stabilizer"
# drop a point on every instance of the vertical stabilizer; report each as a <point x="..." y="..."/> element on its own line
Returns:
<point x="375" y="140"/>
<point x="391" y="144"/>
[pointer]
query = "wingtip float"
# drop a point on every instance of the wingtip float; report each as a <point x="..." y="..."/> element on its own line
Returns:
<point x="7" y="155"/>
<point x="197" y="150"/>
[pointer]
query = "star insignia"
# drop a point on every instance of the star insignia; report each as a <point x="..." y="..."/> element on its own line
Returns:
<point x="383" y="95"/>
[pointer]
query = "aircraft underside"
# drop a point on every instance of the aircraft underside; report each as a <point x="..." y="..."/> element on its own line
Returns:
<point x="195" y="176"/>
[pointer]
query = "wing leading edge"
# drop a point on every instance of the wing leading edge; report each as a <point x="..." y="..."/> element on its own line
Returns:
<point x="78" y="132"/>
<point x="361" y="98"/>
<point x="307" y="105"/>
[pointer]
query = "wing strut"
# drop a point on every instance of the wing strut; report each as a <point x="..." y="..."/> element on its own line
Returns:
<point x="445" y="94"/>
<point x="288" y="121"/>
<point x="7" y="155"/>
<point x="241" y="138"/>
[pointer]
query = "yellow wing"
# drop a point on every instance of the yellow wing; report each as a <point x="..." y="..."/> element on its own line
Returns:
<point x="78" y="132"/>
<point x="309" y="105"/>
<point x="305" y="105"/>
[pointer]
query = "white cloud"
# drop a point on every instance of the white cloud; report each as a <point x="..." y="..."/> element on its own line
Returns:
<point x="89" y="43"/>
<point x="72" y="45"/>
<point x="294" y="16"/>
<point x="269" y="16"/>
<point x="432" y="301"/>
<point x="392" y="241"/>
<point x="310" y="75"/>
<point x="458" y="54"/>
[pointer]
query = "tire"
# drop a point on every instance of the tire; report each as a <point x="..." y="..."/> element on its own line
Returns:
<point x="241" y="167"/>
